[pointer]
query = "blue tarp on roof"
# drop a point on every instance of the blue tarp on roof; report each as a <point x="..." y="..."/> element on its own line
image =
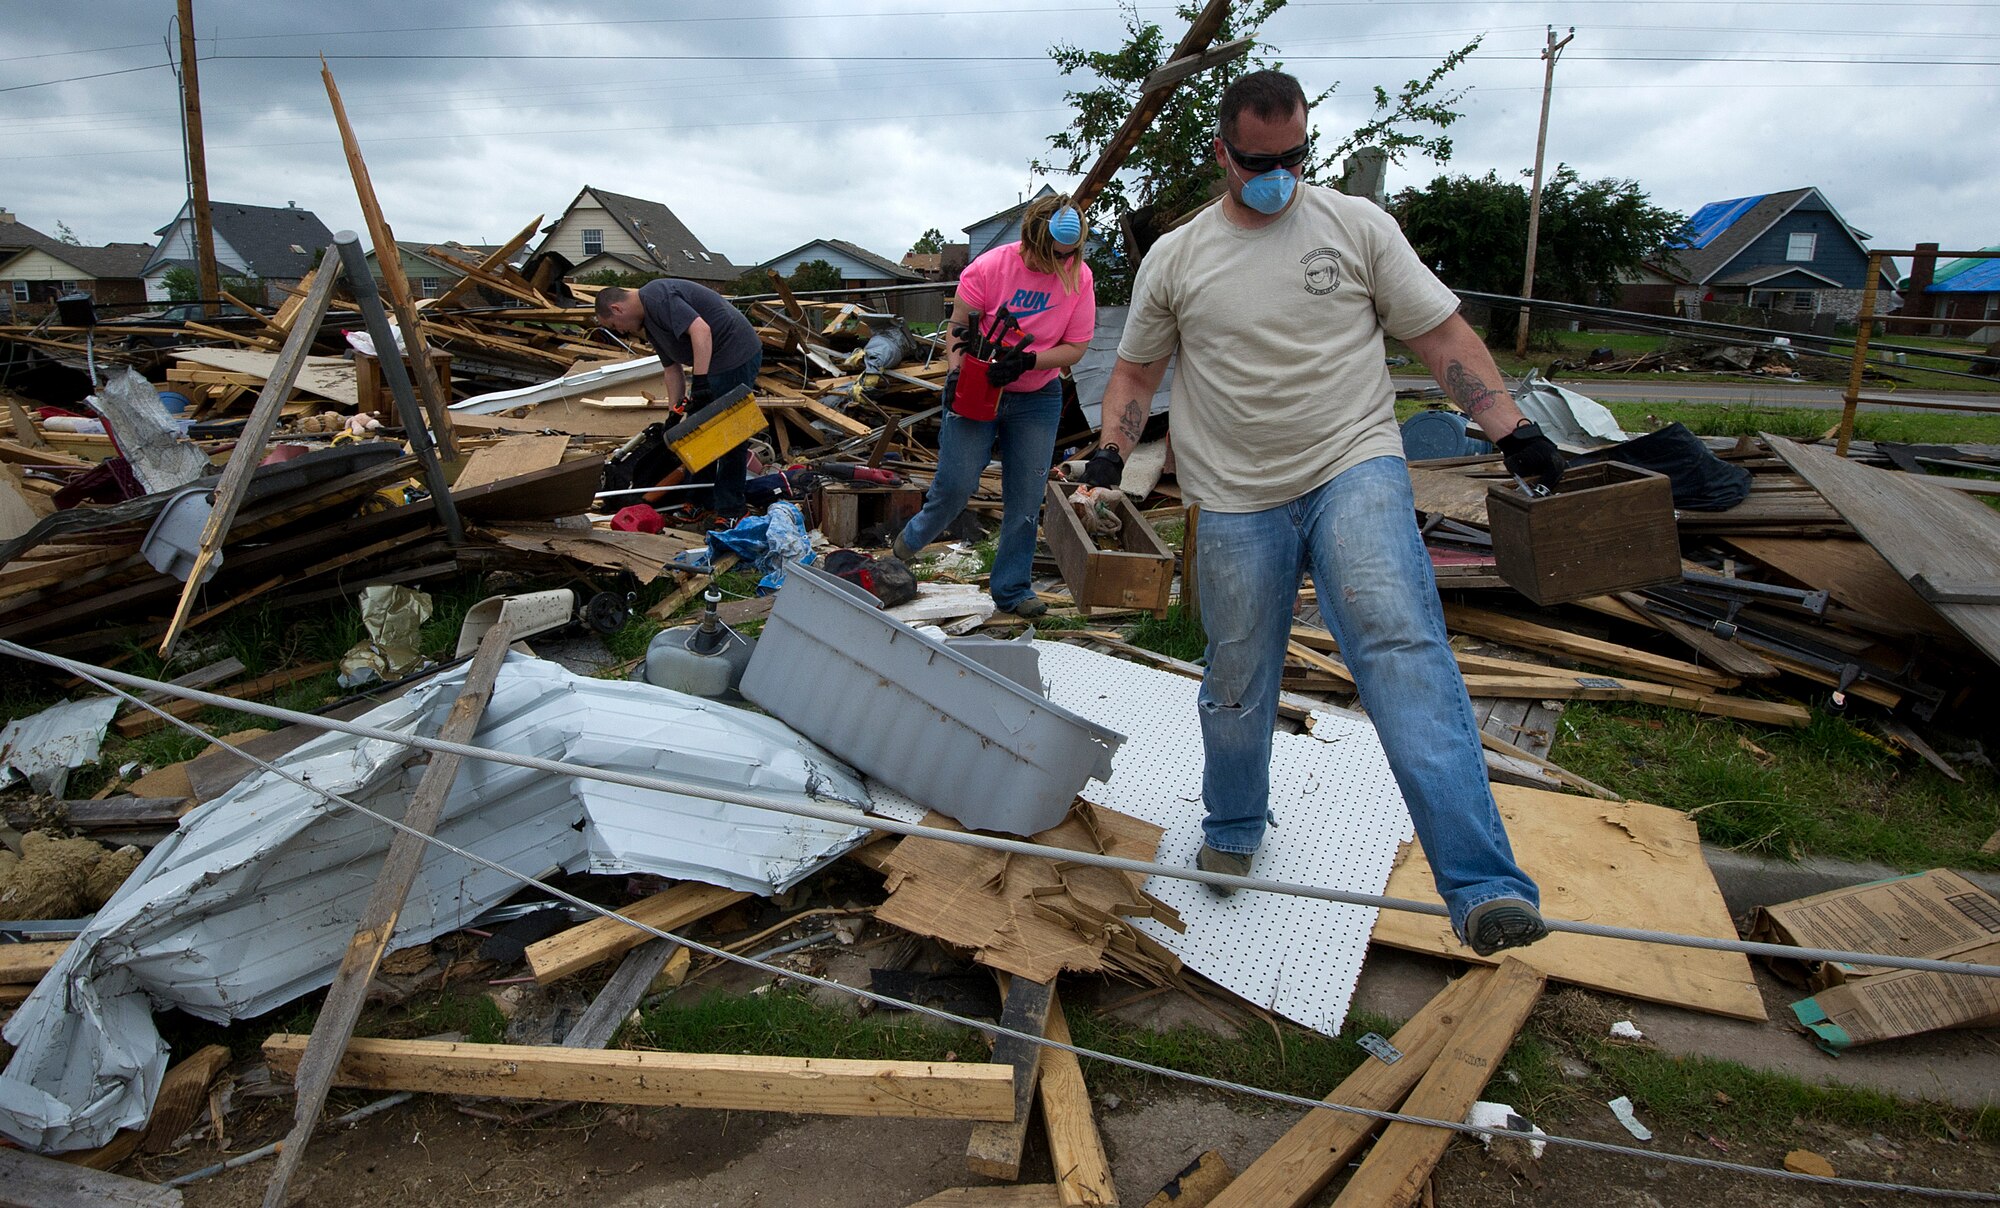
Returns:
<point x="1716" y="217"/>
<point x="1968" y="276"/>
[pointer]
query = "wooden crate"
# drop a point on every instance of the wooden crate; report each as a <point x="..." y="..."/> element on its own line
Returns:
<point x="1608" y="527"/>
<point x="1138" y="574"/>
<point x="371" y="389"/>
<point x="846" y="510"/>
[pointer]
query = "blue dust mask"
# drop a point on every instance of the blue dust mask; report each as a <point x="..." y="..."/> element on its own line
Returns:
<point x="1066" y="225"/>
<point x="1268" y="192"/>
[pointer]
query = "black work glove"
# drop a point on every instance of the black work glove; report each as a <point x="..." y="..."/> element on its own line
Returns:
<point x="1529" y="454"/>
<point x="1105" y="467"/>
<point x="950" y="388"/>
<point x="1009" y="365"/>
<point x="700" y="393"/>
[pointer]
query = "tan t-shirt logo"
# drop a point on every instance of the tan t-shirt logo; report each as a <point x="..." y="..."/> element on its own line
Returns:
<point x="1322" y="270"/>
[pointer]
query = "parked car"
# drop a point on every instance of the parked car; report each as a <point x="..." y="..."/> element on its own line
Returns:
<point x="227" y="315"/>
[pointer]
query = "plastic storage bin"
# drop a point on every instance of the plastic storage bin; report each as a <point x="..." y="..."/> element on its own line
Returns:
<point x="931" y="723"/>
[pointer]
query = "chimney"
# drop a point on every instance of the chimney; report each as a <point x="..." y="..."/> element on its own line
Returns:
<point x="6" y="216"/>
<point x="1916" y="299"/>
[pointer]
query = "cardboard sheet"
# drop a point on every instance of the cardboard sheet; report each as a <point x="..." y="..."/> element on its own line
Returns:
<point x="1937" y="915"/>
<point x="1626" y="864"/>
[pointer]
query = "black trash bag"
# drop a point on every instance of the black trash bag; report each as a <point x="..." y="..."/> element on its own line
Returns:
<point x="885" y="578"/>
<point x="1702" y="482"/>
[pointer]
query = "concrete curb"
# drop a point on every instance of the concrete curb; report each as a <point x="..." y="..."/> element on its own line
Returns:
<point x="1751" y="881"/>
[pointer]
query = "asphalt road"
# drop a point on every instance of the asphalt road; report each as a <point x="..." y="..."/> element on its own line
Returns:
<point x="1753" y="393"/>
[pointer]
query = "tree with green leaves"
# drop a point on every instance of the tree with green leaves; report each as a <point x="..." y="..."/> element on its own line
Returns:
<point x="814" y="275"/>
<point x="1173" y="168"/>
<point x="183" y="285"/>
<point x="1473" y="232"/>
<point x="930" y="243"/>
<point x="65" y="235"/>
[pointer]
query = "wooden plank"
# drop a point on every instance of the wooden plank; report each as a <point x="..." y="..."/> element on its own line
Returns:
<point x="1568" y="686"/>
<point x="182" y="1098"/>
<point x="30" y="1181"/>
<point x="1495" y="743"/>
<point x="329" y="378"/>
<point x="601" y="939"/>
<point x="133" y="725"/>
<point x="1076" y="1149"/>
<point x="1549" y="640"/>
<point x="377" y="925"/>
<point x="1197" y="1184"/>
<point x="1298" y="1167"/>
<point x="1395" y="1171"/>
<point x="723" y="1081"/>
<point x="1626" y="864"/>
<point x="995" y="1149"/>
<point x="436" y="395"/>
<point x="1200" y="33"/>
<point x="26" y="964"/>
<point x="1919" y="528"/>
<point x="599" y="1021"/>
<point x="494" y="259"/>
<point x="249" y="451"/>
<point x="1853" y="576"/>
<point x="200" y="677"/>
<point x="99" y="815"/>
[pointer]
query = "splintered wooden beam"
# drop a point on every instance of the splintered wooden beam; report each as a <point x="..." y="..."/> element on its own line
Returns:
<point x="1201" y="32"/>
<point x="1550" y="640"/>
<point x="494" y="259"/>
<point x="1076" y="1149"/>
<point x="249" y="451"/>
<point x="812" y="1085"/>
<point x="437" y="400"/>
<point x="183" y="1095"/>
<point x="602" y="939"/>
<point x="1395" y="1171"/>
<point x="385" y="905"/>
<point x="995" y="1149"/>
<point x="1293" y="1172"/>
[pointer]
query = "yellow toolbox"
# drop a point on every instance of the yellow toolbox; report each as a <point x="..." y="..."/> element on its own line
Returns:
<point x="717" y="428"/>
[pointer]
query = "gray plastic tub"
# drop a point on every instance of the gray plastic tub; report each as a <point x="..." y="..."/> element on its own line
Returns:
<point x="931" y="723"/>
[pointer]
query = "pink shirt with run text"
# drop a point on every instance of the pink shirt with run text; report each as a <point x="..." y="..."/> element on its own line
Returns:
<point x="1046" y="311"/>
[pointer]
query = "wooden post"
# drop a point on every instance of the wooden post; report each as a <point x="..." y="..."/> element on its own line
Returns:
<point x="378" y="919"/>
<point x="1190" y="586"/>
<point x="1864" y="324"/>
<point x="1201" y="31"/>
<point x="995" y="1149"/>
<point x="436" y="394"/>
<point x="249" y="449"/>
<point x="1535" y="198"/>
<point x="497" y="259"/>
<point x="1076" y="1149"/>
<point x="197" y="165"/>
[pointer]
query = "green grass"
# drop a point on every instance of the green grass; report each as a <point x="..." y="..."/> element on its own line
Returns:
<point x="1178" y="635"/>
<point x="449" y="1010"/>
<point x="786" y="1022"/>
<point x="1829" y="789"/>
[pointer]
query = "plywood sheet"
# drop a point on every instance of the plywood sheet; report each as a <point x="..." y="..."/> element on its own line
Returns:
<point x="1625" y="864"/>
<point x="1919" y="528"/>
<point x="1854" y="576"/>
<point x="513" y="456"/>
<point x="330" y="378"/>
<point x="1445" y="493"/>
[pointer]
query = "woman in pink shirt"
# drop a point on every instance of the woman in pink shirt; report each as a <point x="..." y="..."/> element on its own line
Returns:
<point x="1044" y="283"/>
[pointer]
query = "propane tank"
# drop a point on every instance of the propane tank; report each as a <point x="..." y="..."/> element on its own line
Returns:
<point x="704" y="659"/>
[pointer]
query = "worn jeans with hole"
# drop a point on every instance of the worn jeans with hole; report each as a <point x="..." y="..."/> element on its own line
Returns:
<point x="1358" y="536"/>
<point x="1024" y="433"/>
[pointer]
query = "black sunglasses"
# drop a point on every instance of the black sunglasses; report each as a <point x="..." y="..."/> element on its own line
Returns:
<point x="1255" y="164"/>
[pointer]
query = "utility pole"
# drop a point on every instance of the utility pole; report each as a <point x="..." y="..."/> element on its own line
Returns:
<point x="1549" y="54"/>
<point x="204" y="233"/>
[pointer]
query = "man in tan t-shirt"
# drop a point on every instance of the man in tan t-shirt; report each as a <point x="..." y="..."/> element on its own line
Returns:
<point x="1284" y="432"/>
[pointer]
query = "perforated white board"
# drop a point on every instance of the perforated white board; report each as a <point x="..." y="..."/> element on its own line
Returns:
<point x="1339" y="814"/>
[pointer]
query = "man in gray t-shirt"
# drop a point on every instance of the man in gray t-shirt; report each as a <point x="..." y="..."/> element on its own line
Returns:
<point x="692" y="326"/>
<point x="1276" y="301"/>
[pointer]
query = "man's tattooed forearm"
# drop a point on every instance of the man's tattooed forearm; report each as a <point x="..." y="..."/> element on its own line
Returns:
<point x="1131" y="423"/>
<point x="1472" y="395"/>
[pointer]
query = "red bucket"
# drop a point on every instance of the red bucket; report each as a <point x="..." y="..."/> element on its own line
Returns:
<point x="976" y="397"/>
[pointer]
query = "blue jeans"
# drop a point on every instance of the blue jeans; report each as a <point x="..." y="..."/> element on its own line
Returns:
<point x="1358" y="535"/>
<point x="728" y="470"/>
<point x="1024" y="429"/>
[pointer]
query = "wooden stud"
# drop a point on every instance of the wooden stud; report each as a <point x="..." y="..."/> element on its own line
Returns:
<point x="183" y="1096"/>
<point x="1076" y="1150"/>
<point x="26" y="964"/>
<point x="1196" y="1186"/>
<point x="30" y="1181"/>
<point x="723" y="1081"/>
<point x="497" y="257"/>
<point x="1021" y="1195"/>
<point x="995" y="1149"/>
<point x="1298" y="1167"/>
<point x="602" y="939"/>
<point x="377" y="926"/>
<point x="1394" y="1173"/>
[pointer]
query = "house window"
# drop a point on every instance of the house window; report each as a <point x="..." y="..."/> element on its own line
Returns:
<point x="20" y="291"/>
<point x="429" y="286"/>
<point x="704" y="257"/>
<point x="1799" y="246"/>
<point x="688" y="254"/>
<point x="593" y="241"/>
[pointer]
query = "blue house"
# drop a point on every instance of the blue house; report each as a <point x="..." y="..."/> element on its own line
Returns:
<point x="995" y="230"/>
<point x="1789" y="253"/>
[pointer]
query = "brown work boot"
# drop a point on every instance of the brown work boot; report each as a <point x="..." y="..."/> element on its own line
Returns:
<point x="903" y="553"/>
<point x="1232" y="863"/>
<point x="1028" y="609"/>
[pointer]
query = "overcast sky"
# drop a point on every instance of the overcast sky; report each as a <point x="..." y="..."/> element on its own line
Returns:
<point x="765" y="124"/>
